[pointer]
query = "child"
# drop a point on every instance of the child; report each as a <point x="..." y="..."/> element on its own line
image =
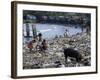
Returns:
<point x="34" y="44"/>
<point x="44" y="45"/>
<point x="30" y="46"/>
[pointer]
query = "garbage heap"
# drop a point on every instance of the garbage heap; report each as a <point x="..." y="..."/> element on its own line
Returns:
<point x="53" y="57"/>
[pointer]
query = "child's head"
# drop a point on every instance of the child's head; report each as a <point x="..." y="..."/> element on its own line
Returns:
<point x="44" y="40"/>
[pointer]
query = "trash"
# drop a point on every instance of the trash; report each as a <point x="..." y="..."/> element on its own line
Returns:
<point x="48" y="59"/>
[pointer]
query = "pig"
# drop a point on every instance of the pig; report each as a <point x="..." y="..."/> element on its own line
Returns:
<point x="69" y="52"/>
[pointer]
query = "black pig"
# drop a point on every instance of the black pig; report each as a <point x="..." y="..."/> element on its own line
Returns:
<point x="69" y="52"/>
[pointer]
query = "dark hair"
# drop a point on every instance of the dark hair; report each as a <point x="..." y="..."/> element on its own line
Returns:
<point x="44" y="40"/>
<point x="40" y="34"/>
<point x="34" y="40"/>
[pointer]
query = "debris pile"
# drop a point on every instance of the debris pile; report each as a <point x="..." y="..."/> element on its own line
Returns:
<point x="53" y="57"/>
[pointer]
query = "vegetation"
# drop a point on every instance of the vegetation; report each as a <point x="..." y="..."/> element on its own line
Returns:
<point x="56" y="17"/>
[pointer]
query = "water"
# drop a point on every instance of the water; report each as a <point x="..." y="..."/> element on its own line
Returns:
<point x="49" y="31"/>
